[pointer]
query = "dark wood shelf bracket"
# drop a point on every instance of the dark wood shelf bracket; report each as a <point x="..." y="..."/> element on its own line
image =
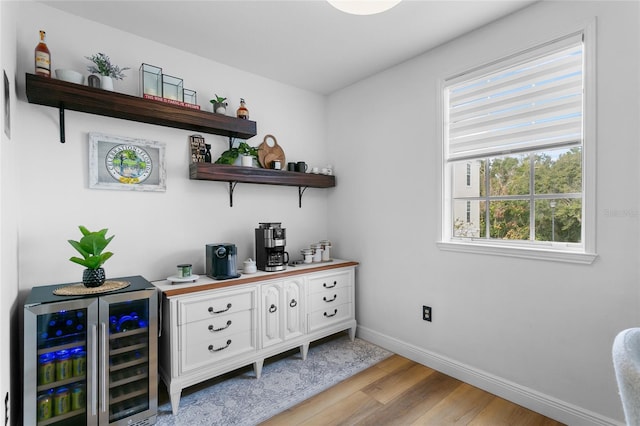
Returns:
<point x="301" y="190"/>
<point x="232" y="187"/>
<point x="62" y="131"/>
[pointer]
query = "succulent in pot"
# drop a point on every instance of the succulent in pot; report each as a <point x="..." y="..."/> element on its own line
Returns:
<point x="91" y="246"/>
<point x="219" y="104"/>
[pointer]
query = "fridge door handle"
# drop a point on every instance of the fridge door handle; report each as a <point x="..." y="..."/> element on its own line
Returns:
<point x="94" y="370"/>
<point x="103" y="367"/>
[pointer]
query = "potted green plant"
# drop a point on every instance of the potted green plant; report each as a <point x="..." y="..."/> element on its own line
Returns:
<point x="219" y="104"/>
<point x="91" y="246"/>
<point x="244" y="150"/>
<point x="102" y="66"/>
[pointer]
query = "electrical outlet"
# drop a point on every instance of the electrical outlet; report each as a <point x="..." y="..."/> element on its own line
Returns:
<point x="426" y="313"/>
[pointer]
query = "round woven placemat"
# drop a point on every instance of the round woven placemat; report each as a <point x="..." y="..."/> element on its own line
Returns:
<point x="79" y="289"/>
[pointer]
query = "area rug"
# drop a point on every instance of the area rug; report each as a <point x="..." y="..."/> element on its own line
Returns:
<point x="244" y="400"/>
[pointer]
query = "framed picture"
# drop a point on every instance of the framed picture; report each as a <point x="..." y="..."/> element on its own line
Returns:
<point x="128" y="164"/>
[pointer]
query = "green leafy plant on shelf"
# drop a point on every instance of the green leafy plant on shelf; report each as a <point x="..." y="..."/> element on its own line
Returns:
<point x="102" y="65"/>
<point x="230" y="156"/>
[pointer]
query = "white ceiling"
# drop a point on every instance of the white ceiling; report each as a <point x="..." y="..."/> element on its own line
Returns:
<point x="303" y="43"/>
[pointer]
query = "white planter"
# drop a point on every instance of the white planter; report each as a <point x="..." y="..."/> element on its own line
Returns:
<point x="106" y="82"/>
<point x="247" y="160"/>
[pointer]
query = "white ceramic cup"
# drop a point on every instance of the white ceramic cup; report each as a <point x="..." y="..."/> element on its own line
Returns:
<point x="315" y="170"/>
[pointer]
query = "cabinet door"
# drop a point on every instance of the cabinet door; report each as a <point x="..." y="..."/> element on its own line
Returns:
<point x="293" y="308"/>
<point x="272" y="314"/>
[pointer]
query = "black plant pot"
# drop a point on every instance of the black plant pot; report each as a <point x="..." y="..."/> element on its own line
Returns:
<point x="93" y="277"/>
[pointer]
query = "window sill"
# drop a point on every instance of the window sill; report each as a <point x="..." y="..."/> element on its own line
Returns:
<point x="548" y="254"/>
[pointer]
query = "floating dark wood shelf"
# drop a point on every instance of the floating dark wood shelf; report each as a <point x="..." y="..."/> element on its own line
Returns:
<point x="77" y="97"/>
<point x="235" y="174"/>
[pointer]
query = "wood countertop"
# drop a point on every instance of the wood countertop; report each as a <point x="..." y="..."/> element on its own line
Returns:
<point x="170" y="289"/>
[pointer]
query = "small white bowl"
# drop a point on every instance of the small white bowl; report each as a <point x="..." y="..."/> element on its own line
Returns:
<point x="70" y="75"/>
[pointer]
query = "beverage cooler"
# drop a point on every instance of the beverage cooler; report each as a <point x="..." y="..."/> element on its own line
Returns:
<point x="91" y="359"/>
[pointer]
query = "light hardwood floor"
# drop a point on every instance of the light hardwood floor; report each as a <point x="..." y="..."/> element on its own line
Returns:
<point x="398" y="391"/>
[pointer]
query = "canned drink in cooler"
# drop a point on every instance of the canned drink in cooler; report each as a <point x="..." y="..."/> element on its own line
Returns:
<point x="64" y="365"/>
<point x="78" y="397"/>
<point x="45" y="406"/>
<point x="61" y="401"/>
<point x="46" y="369"/>
<point x="79" y="362"/>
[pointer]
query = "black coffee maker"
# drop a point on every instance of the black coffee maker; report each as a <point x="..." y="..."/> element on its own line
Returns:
<point x="270" y="242"/>
<point x="221" y="261"/>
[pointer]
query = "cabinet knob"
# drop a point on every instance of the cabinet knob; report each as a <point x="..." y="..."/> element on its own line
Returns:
<point x="212" y="311"/>
<point x="293" y="303"/>
<point x="273" y="308"/>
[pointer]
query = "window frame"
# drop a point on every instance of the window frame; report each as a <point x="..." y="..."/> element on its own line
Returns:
<point x="585" y="252"/>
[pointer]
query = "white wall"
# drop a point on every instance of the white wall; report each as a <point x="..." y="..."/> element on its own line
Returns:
<point x="154" y="231"/>
<point x="537" y="332"/>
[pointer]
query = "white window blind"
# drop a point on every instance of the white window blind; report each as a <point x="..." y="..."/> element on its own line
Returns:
<point x="534" y="102"/>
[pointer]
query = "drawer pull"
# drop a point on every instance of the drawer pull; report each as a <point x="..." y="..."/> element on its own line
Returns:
<point x="272" y="308"/>
<point x="335" y="296"/>
<point x="211" y="349"/>
<point x="335" y="311"/>
<point x="293" y="303"/>
<point x="335" y="283"/>
<point x="211" y="311"/>
<point x="219" y="329"/>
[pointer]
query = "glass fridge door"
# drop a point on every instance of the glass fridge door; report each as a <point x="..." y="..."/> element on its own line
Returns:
<point x="129" y="358"/>
<point x="60" y="340"/>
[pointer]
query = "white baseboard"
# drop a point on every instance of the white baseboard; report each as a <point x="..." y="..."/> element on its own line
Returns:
<point x="521" y="395"/>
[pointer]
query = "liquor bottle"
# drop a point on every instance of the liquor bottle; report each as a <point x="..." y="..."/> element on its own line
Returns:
<point x="43" y="57"/>
<point x="242" y="112"/>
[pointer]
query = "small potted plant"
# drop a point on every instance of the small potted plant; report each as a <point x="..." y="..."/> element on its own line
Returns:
<point x="219" y="104"/>
<point x="102" y="66"/>
<point x="245" y="151"/>
<point x="247" y="154"/>
<point x="91" y="246"/>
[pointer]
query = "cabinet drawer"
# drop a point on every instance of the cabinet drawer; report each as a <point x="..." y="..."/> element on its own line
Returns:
<point x="200" y="308"/>
<point x="329" y="282"/>
<point x="218" y="326"/>
<point x="325" y="317"/>
<point x="330" y="298"/>
<point x="216" y="349"/>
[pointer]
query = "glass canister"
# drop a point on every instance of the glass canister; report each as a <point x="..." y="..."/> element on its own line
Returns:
<point x="64" y="365"/>
<point x="317" y="252"/>
<point x="326" y="250"/>
<point x="46" y="368"/>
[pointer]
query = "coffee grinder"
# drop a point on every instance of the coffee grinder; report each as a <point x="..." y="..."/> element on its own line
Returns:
<point x="270" y="242"/>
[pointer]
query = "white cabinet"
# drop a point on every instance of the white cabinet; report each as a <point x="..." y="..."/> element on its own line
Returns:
<point x="212" y="327"/>
<point x="282" y="311"/>
<point x="331" y="299"/>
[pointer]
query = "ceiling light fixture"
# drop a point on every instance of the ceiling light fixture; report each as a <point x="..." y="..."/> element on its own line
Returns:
<point x="363" y="7"/>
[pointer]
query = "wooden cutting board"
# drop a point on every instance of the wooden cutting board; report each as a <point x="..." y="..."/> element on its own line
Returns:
<point x="269" y="151"/>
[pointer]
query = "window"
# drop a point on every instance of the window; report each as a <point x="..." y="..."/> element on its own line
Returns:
<point x="515" y="172"/>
